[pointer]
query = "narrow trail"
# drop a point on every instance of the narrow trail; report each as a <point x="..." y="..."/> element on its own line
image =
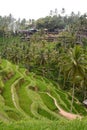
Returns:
<point x="64" y="113"/>
<point x="13" y="94"/>
<point x="16" y="100"/>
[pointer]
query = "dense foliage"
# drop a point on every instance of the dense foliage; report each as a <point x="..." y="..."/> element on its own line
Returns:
<point x="58" y="53"/>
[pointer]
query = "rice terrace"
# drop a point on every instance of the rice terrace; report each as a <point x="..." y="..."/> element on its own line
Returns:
<point x="43" y="72"/>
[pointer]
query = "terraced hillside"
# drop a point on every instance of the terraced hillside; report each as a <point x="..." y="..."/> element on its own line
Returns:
<point x="24" y="95"/>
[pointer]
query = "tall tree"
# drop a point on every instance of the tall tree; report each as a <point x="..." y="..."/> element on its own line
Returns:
<point x="74" y="64"/>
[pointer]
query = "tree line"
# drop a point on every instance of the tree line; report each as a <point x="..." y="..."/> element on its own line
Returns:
<point x="51" y="22"/>
<point x="60" y="61"/>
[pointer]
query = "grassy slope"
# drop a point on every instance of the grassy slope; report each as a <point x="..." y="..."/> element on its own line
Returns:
<point x="45" y="125"/>
<point x="24" y="96"/>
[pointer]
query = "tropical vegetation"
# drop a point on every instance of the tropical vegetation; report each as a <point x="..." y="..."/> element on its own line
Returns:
<point x="43" y="73"/>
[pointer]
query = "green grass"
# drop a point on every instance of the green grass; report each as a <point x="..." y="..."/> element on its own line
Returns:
<point x="48" y="101"/>
<point x="41" y="85"/>
<point x="64" y="98"/>
<point x="59" y="100"/>
<point x="13" y="115"/>
<point x="7" y="91"/>
<point x="24" y="101"/>
<point x="34" y="109"/>
<point x="45" y="125"/>
<point x="46" y="114"/>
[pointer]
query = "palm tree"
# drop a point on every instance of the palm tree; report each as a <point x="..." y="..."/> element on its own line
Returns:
<point x="63" y="11"/>
<point x="73" y="64"/>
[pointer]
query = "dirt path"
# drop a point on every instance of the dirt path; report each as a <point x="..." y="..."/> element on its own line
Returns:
<point x="64" y="113"/>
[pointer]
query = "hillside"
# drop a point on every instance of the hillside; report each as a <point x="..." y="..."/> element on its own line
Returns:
<point x="26" y="96"/>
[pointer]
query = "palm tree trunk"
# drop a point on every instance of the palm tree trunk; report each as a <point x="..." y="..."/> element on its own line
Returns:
<point x="64" y="81"/>
<point x="84" y="92"/>
<point x="72" y="97"/>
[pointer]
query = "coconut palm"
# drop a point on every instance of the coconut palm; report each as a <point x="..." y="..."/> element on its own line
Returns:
<point x="73" y="64"/>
